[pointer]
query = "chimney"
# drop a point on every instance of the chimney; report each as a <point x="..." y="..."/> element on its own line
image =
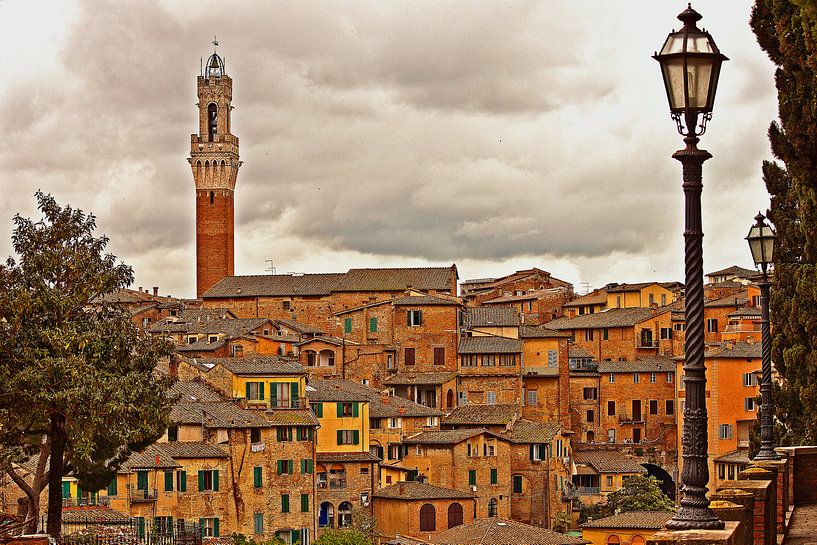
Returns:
<point x="156" y="291"/>
<point x="401" y="487"/>
<point x="140" y="289"/>
<point x="385" y="400"/>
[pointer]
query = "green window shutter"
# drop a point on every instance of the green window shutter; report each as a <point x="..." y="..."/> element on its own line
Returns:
<point x="339" y="409"/>
<point x="303" y="466"/>
<point x="355" y="437"/>
<point x="111" y="487"/>
<point x="215" y="526"/>
<point x="278" y="434"/>
<point x="340" y="437"/>
<point x="257" y="476"/>
<point x="215" y="481"/>
<point x="285" y="503"/>
<point x="141" y="480"/>
<point x="531" y="452"/>
<point x="318" y="408"/>
<point x="247" y="387"/>
<point x="355" y="409"/>
<point x="304" y="503"/>
<point x="373" y="325"/>
<point x="261" y="391"/>
<point x="168" y="481"/>
<point x="309" y="434"/>
<point x="183" y="486"/>
<point x="66" y="489"/>
<point x="493" y="476"/>
<point x="311" y="466"/>
<point x="280" y="467"/>
<point x="347" y="325"/>
<point x="542" y="451"/>
<point x="420" y="315"/>
<point x="140" y="526"/>
<point x="273" y="394"/>
<point x="295" y="537"/>
<point x="472" y="477"/>
<point x="201" y="527"/>
<point x="294" y="393"/>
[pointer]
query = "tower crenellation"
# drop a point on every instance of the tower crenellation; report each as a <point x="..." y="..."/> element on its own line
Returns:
<point x="215" y="162"/>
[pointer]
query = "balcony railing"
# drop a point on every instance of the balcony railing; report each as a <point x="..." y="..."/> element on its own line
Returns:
<point x="142" y="495"/>
<point x="102" y="501"/>
<point x="629" y="419"/>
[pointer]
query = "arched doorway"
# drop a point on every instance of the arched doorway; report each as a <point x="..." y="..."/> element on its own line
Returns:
<point x="344" y="515"/>
<point x="667" y="484"/>
<point x="326" y="515"/>
<point x="449" y="399"/>
<point x="454" y="515"/>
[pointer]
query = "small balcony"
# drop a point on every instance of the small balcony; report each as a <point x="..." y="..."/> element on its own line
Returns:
<point x="137" y="495"/>
<point x="624" y="418"/>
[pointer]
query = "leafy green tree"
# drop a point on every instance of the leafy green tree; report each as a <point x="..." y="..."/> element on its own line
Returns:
<point x="640" y="493"/>
<point x="78" y="385"/>
<point x="351" y="536"/>
<point x="786" y="30"/>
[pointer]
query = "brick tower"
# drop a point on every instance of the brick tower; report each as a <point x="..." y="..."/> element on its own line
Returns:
<point x="214" y="159"/>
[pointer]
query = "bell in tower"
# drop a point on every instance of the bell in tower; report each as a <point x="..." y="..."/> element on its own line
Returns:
<point x="214" y="160"/>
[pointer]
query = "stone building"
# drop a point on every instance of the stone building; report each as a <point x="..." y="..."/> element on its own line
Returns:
<point x="499" y="531"/>
<point x="476" y="292"/>
<point x="633" y="527"/>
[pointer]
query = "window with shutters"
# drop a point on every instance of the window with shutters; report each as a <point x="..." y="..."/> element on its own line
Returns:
<point x="373" y="325"/>
<point x="517" y="484"/>
<point x="590" y="393"/>
<point x="472" y="477"/>
<point x="347" y="325"/>
<point x="307" y="466"/>
<point x="749" y="379"/>
<point x="285" y="503"/>
<point x="669" y="378"/>
<point x="257" y="476"/>
<point x="169" y="481"/>
<point x="283" y="394"/>
<point x="284" y="467"/>
<point x="409" y="356"/>
<point x="258" y="523"/>
<point x="653" y="406"/>
<point x="726" y="431"/>
<point x="507" y="360"/>
<point x="181" y="481"/>
<point x="141" y="480"/>
<point x="611" y="408"/>
<point x="208" y="480"/>
<point x="712" y="325"/>
<point x="749" y="404"/>
<point x="304" y="433"/>
<point x="209" y="527"/>
<point x="439" y="355"/>
<point x="283" y="434"/>
<point x="636" y="378"/>
<point x="588" y="334"/>
<point x="494" y="477"/>
<point x="666" y="333"/>
<point x="454" y="515"/>
<point x="255" y="435"/>
<point x="428" y="518"/>
<point x="414" y="317"/>
<point x="255" y="391"/>
<point x="346" y="410"/>
<point x="112" y="488"/>
<point x="348" y="437"/>
<point x="670" y="407"/>
<point x="304" y="503"/>
<point x="317" y="408"/>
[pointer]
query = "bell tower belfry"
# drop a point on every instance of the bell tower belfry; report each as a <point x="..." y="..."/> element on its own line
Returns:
<point x="214" y="160"/>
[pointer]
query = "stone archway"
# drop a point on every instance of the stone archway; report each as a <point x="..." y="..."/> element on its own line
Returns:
<point x="667" y="484"/>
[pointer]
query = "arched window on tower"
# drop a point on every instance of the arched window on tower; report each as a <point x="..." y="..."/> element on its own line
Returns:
<point x="212" y="122"/>
<point x="211" y="197"/>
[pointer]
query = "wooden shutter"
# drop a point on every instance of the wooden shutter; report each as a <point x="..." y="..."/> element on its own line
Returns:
<point x="340" y="437"/>
<point x="257" y="473"/>
<point x="261" y="391"/>
<point x="141" y="480"/>
<point x="428" y="518"/>
<point x="339" y="409"/>
<point x="273" y="394"/>
<point x="347" y="325"/>
<point x="531" y="452"/>
<point x="542" y="451"/>
<point x="183" y="486"/>
<point x="472" y="477"/>
<point x="168" y="481"/>
<point x="247" y="387"/>
<point x="293" y="390"/>
<point x="318" y="408"/>
<point x="215" y="520"/>
<point x="419" y="317"/>
<point x="285" y="503"/>
<point x="215" y="480"/>
<point x="304" y="503"/>
<point x="409" y="352"/>
<point x="454" y="515"/>
<point x="355" y="437"/>
<point x="493" y="476"/>
<point x="373" y="325"/>
<point x="111" y="487"/>
<point x="201" y="480"/>
<point x="439" y="355"/>
<point x="355" y="409"/>
<point x="280" y="467"/>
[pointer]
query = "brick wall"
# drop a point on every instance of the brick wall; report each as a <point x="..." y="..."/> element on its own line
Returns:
<point x="214" y="237"/>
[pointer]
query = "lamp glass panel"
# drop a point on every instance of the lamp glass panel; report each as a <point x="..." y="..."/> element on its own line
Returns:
<point x="674" y="76"/>
<point x="674" y="44"/>
<point x="699" y="73"/>
<point x="699" y="44"/>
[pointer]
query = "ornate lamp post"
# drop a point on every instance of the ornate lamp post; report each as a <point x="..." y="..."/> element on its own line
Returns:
<point x="761" y="242"/>
<point x="690" y="64"/>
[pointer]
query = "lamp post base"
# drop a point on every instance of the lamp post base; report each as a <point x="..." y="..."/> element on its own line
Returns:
<point x="695" y="519"/>
<point x="767" y="454"/>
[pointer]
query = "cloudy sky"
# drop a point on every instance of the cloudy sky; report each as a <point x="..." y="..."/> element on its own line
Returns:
<point x="494" y="135"/>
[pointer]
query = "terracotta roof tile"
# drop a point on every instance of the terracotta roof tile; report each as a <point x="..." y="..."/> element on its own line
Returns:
<point x="497" y="531"/>
<point x="607" y="461"/>
<point x="489" y="345"/>
<point x="525" y="432"/>
<point x="300" y="327"/>
<point x="734" y="350"/>
<point x="334" y="390"/>
<point x="445" y="437"/>
<point x="739" y="456"/>
<point x="394" y="279"/>
<point x="184" y="449"/>
<point x="421" y="300"/>
<point x="291" y="417"/>
<point x="614" y="317"/>
<point x="645" y="364"/>
<point x="342" y="457"/>
<point x="271" y="285"/>
<point x="537" y="294"/>
<point x="382" y="405"/>
<point x="404" y="378"/>
<point x="413" y="490"/>
<point x="589" y="299"/>
<point x="636" y="520"/>
<point x="152" y="457"/>
<point x="259" y="365"/>
<point x="495" y="415"/>
<point x="95" y="513"/>
<point x="541" y="332"/>
<point x="736" y="300"/>
<point x="734" y="270"/>
<point x="492" y="317"/>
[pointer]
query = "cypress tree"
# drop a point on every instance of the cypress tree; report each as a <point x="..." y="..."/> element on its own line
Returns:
<point x="786" y="31"/>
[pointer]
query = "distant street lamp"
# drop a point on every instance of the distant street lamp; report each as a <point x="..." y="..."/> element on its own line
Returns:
<point x="690" y="64"/>
<point x="761" y="240"/>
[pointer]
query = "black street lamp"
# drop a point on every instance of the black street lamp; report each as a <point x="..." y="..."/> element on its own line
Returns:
<point x="761" y="240"/>
<point x="690" y="63"/>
